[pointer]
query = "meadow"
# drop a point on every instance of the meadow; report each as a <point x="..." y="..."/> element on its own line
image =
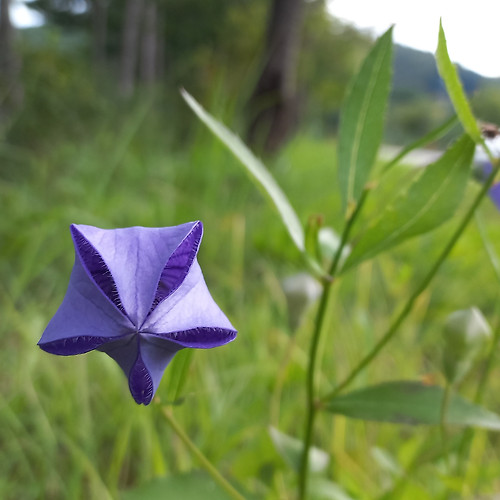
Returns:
<point x="68" y="426"/>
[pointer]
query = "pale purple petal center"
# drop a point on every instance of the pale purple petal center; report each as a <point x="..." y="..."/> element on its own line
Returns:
<point x="97" y="268"/>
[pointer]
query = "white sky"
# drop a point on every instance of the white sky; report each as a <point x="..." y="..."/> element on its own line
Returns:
<point x="472" y="27"/>
<point x="23" y="17"/>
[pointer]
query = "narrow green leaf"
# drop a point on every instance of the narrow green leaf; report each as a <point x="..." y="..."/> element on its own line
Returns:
<point x="290" y="449"/>
<point x="457" y="95"/>
<point x="362" y="120"/>
<point x="407" y="402"/>
<point x="429" y="201"/>
<point x="178" y="376"/>
<point x="433" y="135"/>
<point x="258" y="172"/>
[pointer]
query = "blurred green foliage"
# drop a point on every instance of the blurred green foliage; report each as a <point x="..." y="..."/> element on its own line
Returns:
<point x="77" y="152"/>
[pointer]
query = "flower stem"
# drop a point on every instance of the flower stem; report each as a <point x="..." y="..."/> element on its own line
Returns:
<point x="313" y="350"/>
<point x="465" y="442"/>
<point x="393" y="328"/>
<point x="206" y="464"/>
<point x="445" y="403"/>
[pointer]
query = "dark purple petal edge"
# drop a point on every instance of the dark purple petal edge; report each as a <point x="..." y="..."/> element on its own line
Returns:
<point x="200" y="338"/>
<point x="96" y="268"/>
<point x="178" y="264"/>
<point x="140" y="382"/>
<point x="74" y="345"/>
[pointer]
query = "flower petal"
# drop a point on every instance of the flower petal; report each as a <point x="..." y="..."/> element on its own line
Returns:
<point x="201" y="337"/>
<point x="143" y="361"/>
<point x="85" y="320"/>
<point x="96" y="267"/>
<point x="137" y="252"/>
<point x="189" y="316"/>
<point x="178" y="264"/>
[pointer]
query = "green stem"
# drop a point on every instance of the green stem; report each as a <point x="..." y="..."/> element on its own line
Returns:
<point x="206" y="464"/>
<point x="490" y="252"/>
<point x="445" y="403"/>
<point x="313" y="351"/>
<point x="431" y="136"/>
<point x="393" y="328"/>
<point x="463" y="447"/>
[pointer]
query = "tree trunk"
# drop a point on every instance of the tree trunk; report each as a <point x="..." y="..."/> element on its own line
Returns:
<point x="100" y="31"/>
<point x="149" y="46"/>
<point x="273" y="105"/>
<point x="10" y="64"/>
<point x="130" y="38"/>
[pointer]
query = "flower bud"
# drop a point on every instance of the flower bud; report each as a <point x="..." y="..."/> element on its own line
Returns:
<point x="301" y="290"/>
<point x="465" y="334"/>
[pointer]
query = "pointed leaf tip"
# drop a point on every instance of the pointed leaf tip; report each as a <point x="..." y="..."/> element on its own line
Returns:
<point x="449" y="74"/>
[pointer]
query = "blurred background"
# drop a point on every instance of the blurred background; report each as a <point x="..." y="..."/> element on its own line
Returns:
<point x="93" y="130"/>
<point x="272" y="68"/>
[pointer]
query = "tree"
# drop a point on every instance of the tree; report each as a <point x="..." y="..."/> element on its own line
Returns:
<point x="10" y="86"/>
<point x="273" y="104"/>
<point x="130" y="41"/>
<point x="99" y="13"/>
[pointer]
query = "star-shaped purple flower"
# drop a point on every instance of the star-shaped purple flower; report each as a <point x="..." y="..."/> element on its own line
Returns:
<point x="137" y="294"/>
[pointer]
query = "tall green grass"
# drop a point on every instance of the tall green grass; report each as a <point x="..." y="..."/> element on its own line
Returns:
<point x="68" y="426"/>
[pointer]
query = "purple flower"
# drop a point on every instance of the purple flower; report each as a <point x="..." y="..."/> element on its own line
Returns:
<point x="482" y="170"/>
<point x="495" y="194"/>
<point x="137" y="294"/>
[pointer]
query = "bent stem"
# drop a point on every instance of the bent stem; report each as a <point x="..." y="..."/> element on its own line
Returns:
<point x="205" y="463"/>
<point x="313" y="351"/>
<point x="393" y="328"/>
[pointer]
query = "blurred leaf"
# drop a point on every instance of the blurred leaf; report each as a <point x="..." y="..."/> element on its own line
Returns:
<point x="323" y="489"/>
<point x="362" y="120"/>
<point x="258" y="172"/>
<point x="432" y="136"/>
<point x="179" y="375"/>
<point x="429" y="201"/>
<point x="290" y="450"/>
<point x="190" y="486"/>
<point x="457" y="95"/>
<point x="407" y="402"/>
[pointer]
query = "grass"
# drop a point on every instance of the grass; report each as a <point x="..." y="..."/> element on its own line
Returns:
<point x="69" y="428"/>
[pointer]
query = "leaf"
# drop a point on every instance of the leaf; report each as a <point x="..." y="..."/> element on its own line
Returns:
<point x="408" y="402"/>
<point x="179" y="375"/>
<point x="362" y="120"/>
<point x="454" y="88"/>
<point x="432" y="136"/>
<point x="190" y="486"/>
<point x="428" y="202"/>
<point x="255" y="168"/>
<point x="291" y="448"/>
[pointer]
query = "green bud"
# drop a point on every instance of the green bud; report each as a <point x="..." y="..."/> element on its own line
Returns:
<point x="301" y="290"/>
<point x="466" y="332"/>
